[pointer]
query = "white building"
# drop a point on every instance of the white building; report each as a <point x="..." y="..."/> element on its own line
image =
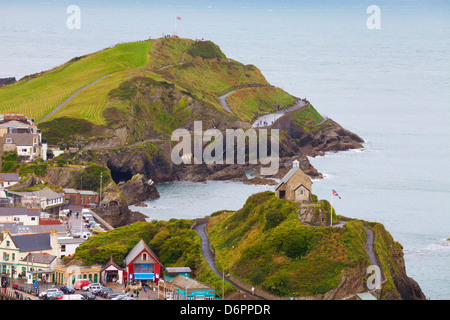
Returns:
<point x="28" y="216"/>
<point x="45" y="198"/>
<point x="26" y="253"/>
<point x="68" y="245"/>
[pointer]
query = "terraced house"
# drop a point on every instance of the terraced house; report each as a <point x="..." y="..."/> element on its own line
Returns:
<point x="19" y="133"/>
<point x="28" y="254"/>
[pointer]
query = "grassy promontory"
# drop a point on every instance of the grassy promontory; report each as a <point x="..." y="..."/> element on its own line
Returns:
<point x="265" y="245"/>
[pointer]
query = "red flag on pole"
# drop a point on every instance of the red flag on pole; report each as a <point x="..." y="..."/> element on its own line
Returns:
<point x="178" y="18"/>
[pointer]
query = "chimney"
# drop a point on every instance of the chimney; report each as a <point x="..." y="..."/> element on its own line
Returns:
<point x="54" y="241"/>
<point x="296" y="164"/>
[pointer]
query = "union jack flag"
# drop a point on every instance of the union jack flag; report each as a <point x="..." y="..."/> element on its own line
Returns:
<point x="336" y="194"/>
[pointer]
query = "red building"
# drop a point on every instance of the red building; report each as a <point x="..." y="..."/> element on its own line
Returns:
<point x="142" y="264"/>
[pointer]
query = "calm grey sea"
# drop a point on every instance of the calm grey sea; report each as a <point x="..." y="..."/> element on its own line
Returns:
<point x="391" y="86"/>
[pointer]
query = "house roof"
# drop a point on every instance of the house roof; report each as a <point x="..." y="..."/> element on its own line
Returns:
<point x="71" y="240"/>
<point x="20" y="139"/>
<point x="32" y="242"/>
<point x="70" y="191"/>
<point x="178" y="269"/>
<point x="43" y="258"/>
<point x="366" y="296"/>
<point x="48" y="194"/>
<point x="111" y="262"/>
<point x="87" y="192"/>
<point x="10" y="176"/>
<point x="138" y="248"/>
<point x="289" y="175"/>
<point x="9" y="211"/>
<point x="14" y="124"/>
<point x="189" y="283"/>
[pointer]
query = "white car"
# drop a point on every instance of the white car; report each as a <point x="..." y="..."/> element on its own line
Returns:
<point x="73" y="297"/>
<point x="47" y="293"/>
<point x="92" y="287"/>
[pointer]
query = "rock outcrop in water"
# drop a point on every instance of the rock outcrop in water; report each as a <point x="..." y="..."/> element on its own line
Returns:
<point x="5" y="81"/>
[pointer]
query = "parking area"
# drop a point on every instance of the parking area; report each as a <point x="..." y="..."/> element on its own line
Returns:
<point x="25" y="291"/>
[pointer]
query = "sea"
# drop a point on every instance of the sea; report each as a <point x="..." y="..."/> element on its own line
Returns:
<point x="379" y="68"/>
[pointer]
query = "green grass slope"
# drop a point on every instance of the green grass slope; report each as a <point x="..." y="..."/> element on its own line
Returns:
<point x="264" y="244"/>
<point x="39" y="94"/>
<point x="200" y="69"/>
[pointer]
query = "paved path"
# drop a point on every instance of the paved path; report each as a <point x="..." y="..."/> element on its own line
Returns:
<point x="70" y="98"/>
<point x="224" y="102"/>
<point x="209" y="257"/>
<point x="272" y="117"/>
<point x="369" y="246"/>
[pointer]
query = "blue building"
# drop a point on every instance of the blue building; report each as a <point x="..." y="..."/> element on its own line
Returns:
<point x="185" y="288"/>
<point x="170" y="273"/>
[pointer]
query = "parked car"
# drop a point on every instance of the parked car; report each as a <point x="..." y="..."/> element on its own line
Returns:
<point x="88" y="295"/>
<point x="91" y="287"/>
<point x="73" y="297"/>
<point x="54" y="295"/>
<point x="81" y="283"/>
<point x="128" y="298"/>
<point x="112" y="294"/>
<point x="44" y="294"/>
<point x="67" y="289"/>
<point x="97" y="292"/>
<point x="104" y="291"/>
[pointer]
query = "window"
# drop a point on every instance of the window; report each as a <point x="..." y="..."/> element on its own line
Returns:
<point x="13" y="257"/>
<point x="144" y="268"/>
<point x="16" y="219"/>
<point x="301" y="191"/>
<point x="24" y="150"/>
<point x="9" y="140"/>
<point x="7" y="243"/>
<point x="282" y="194"/>
<point x="144" y="256"/>
<point x="63" y="248"/>
<point x="200" y="298"/>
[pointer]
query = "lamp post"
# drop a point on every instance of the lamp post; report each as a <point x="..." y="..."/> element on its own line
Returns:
<point x="101" y="179"/>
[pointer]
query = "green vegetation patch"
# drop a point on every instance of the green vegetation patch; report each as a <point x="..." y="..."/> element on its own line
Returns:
<point x="205" y="50"/>
<point x="10" y="162"/>
<point x="249" y="103"/>
<point x="307" y="116"/>
<point x="66" y="130"/>
<point x="265" y="244"/>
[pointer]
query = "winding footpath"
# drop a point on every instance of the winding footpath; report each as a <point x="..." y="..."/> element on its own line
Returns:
<point x="209" y="257"/>
<point x="224" y="102"/>
<point x="70" y="98"/>
<point x="269" y="119"/>
<point x="369" y="246"/>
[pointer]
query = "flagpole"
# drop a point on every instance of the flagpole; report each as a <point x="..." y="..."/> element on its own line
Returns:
<point x="331" y="209"/>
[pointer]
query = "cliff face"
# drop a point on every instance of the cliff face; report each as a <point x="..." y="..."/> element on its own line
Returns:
<point x="390" y="257"/>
